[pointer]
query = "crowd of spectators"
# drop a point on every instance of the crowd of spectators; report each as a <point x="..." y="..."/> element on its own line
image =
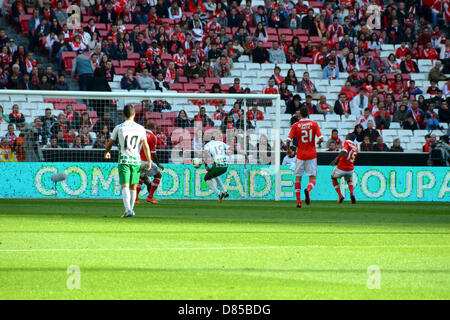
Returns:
<point x="69" y="129"/>
<point x="203" y="39"/>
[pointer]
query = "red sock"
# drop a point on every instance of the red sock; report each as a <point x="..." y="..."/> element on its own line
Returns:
<point x="336" y="187"/>
<point x="155" y="184"/>
<point x="298" y="187"/>
<point x="350" y="186"/>
<point x="312" y="183"/>
<point x="138" y="189"/>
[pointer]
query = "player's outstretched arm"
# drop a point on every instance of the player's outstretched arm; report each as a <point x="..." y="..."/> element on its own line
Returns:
<point x="108" y="149"/>
<point x="319" y="142"/>
<point x="155" y="159"/>
<point x="332" y="163"/>
<point x="147" y="153"/>
<point x="288" y="147"/>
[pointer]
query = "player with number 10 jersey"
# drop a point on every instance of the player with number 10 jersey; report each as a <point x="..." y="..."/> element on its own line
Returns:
<point x="305" y="131"/>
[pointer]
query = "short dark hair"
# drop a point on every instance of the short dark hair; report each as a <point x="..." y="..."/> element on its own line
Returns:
<point x="128" y="110"/>
<point x="350" y="136"/>
<point x="304" y="112"/>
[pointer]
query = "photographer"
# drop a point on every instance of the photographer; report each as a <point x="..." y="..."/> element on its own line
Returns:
<point x="440" y="152"/>
<point x="32" y="139"/>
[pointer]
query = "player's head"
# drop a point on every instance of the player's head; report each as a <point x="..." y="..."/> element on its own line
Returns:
<point x="304" y="113"/>
<point x="350" y="136"/>
<point x="150" y="124"/>
<point x="128" y="112"/>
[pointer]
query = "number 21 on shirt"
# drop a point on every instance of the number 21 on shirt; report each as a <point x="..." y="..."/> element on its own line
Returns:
<point x="306" y="135"/>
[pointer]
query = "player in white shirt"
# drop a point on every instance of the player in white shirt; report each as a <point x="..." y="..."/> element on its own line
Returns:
<point x="217" y="151"/>
<point x="131" y="137"/>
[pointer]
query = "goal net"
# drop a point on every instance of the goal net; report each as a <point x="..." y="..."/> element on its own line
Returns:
<point x="68" y="131"/>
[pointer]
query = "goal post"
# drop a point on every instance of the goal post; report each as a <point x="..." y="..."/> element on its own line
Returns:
<point x="79" y="124"/>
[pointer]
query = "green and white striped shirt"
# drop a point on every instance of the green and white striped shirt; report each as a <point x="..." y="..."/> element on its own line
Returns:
<point x="130" y="136"/>
<point x="217" y="149"/>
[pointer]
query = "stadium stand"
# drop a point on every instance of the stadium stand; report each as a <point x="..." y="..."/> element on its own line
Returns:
<point x="329" y="51"/>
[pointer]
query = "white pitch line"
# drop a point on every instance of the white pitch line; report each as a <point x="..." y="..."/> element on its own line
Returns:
<point x="222" y="248"/>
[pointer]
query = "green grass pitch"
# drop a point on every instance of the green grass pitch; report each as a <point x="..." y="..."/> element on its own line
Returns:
<point x="184" y="249"/>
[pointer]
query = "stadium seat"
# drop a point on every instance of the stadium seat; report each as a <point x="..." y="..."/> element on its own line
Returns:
<point x="299" y="32"/>
<point x="191" y="87"/>
<point x="253" y="66"/>
<point x="395" y="125"/>
<point x="176" y="86"/>
<point x="127" y="64"/>
<point x="114" y="85"/>
<point x="420" y="133"/>
<point x="317" y="117"/>
<point x="212" y="80"/>
<point x="121" y="71"/>
<point x="333" y="117"/>
<point x="133" y="56"/>
<point x="168" y="115"/>
<point x="236" y="73"/>
<point x="267" y="66"/>
<point x="198" y="80"/>
<point x="79" y="107"/>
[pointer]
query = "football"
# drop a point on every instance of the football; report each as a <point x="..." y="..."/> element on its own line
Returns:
<point x="197" y="162"/>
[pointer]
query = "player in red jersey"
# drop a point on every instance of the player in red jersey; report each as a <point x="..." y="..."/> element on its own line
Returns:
<point x="345" y="165"/>
<point x="305" y="131"/>
<point x="154" y="171"/>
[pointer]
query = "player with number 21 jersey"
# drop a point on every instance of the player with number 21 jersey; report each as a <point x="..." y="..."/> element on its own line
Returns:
<point x="305" y="131"/>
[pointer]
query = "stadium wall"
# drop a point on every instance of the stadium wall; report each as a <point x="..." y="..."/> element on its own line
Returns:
<point x="402" y="159"/>
<point x="100" y="180"/>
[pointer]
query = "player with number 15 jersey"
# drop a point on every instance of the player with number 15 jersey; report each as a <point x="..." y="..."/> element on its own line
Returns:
<point x="345" y="166"/>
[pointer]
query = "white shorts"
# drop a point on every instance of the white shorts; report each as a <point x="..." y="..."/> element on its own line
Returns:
<point x="338" y="173"/>
<point x="154" y="170"/>
<point x="306" y="166"/>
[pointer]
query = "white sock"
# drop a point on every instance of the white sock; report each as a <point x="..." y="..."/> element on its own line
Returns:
<point x="212" y="186"/>
<point x="126" y="198"/>
<point x="220" y="184"/>
<point x="132" y="198"/>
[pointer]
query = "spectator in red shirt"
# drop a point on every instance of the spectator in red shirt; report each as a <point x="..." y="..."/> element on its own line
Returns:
<point x="312" y="109"/>
<point x="254" y="113"/>
<point x="433" y="88"/>
<point x="16" y="116"/>
<point x="380" y="145"/>
<point x="236" y="88"/>
<point x="332" y="146"/>
<point x="401" y="51"/>
<point x="11" y="136"/>
<point x="408" y="65"/>
<point x="270" y="88"/>
<point x="369" y="84"/>
<point x="335" y="138"/>
<point x="203" y="118"/>
<point x="220" y="114"/>
<point x="430" y="53"/>
<point x="429" y="140"/>
<point x="383" y="119"/>
<point x="349" y="91"/>
<point x="398" y="86"/>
